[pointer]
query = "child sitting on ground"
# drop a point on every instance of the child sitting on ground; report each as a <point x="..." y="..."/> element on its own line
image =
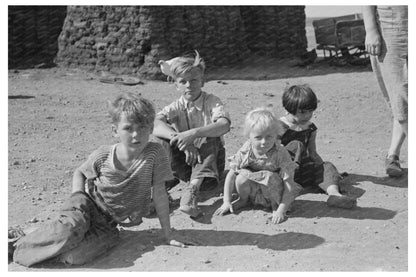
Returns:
<point x="298" y="135"/>
<point x="262" y="170"/>
<point x="191" y="130"/>
<point x="112" y="187"/>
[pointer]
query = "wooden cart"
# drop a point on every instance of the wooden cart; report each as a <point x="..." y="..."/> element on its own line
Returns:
<point x="341" y="36"/>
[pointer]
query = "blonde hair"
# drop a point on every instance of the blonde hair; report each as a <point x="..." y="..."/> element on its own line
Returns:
<point x="134" y="106"/>
<point x="262" y="118"/>
<point x="183" y="64"/>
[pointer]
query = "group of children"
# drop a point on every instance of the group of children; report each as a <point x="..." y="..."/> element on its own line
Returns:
<point x="183" y="142"/>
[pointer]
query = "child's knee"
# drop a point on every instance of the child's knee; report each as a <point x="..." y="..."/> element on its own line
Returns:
<point x="295" y="189"/>
<point x="242" y="185"/>
<point x="331" y="174"/>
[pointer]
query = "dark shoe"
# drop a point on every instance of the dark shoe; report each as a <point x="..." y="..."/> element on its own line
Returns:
<point x="209" y="184"/>
<point x="393" y="168"/>
<point x="189" y="202"/>
<point x="343" y="202"/>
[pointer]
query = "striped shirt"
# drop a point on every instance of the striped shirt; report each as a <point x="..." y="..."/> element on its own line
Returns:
<point x="125" y="193"/>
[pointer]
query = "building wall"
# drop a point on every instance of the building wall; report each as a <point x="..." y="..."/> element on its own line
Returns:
<point x="132" y="39"/>
<point x="33" y="34"/>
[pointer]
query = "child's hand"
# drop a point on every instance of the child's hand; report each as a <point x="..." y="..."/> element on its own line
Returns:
<point x="278" y="217"/>
<point x="225" y="208"/>
<point x="183" y="139"/>
<point x="192" y="155"/>
<point x="176" y="239"/>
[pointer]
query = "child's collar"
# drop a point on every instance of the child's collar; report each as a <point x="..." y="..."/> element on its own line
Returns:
<point x="197" y="103"/>
<point x="295" y="126"/>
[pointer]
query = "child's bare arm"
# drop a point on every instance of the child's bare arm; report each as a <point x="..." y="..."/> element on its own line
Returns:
<point x="373" y="39"/>
<point x="161" y="202"/>
<point x="290" y="192"/>
<point x="160" y="199"/>
<point x="78" y="181"/>
<point x="162" y="129"/>
<point x="229" y="186"/>
<point x="216" y="129"/>
<point x="313" y="154"/>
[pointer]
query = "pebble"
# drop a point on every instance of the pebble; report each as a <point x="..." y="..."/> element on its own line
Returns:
<point x="16" y="163"/>
<point x="33" y="220"/>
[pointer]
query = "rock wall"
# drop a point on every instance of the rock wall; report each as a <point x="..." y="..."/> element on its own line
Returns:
<point x="33" y="34"/>
<point x="275" y="31"/>
<point x="132" y="39"/>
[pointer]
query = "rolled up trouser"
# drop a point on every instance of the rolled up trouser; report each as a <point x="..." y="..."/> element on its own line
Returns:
<point x="78" y="223"/>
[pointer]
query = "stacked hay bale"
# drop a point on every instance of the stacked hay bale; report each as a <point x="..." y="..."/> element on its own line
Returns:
<point x="132" y="39"/>
<point x="33" y="33"/>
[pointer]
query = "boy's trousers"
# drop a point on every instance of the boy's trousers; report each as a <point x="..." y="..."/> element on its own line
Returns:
<point x="77" y="234"/>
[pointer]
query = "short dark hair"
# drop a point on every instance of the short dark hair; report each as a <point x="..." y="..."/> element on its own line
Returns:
<point x="299" y="97"/>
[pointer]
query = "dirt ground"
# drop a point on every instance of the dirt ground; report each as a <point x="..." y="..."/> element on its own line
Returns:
<point x="57" y="117"/>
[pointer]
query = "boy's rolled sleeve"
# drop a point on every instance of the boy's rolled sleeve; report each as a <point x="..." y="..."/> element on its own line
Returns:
<point x="217" y="109"/>
<point x="219" y="112"/>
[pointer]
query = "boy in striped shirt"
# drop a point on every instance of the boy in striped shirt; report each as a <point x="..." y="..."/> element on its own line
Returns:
<point x="113" y="187"/>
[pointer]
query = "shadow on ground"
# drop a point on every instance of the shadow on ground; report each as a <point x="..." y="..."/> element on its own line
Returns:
<point x="315" y="209"/>
<point x="20" y="97"/>
<point x="263" y="68"/>
<point x="136" y="243"/>
<point x="401" y="182"/>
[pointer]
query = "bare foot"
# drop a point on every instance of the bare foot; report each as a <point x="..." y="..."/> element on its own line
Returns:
<point x="239" y="203"/>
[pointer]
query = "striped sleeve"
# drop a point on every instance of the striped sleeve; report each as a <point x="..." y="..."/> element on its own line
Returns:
<point x="161" y="170"/>
<point x="91" y="168"/>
